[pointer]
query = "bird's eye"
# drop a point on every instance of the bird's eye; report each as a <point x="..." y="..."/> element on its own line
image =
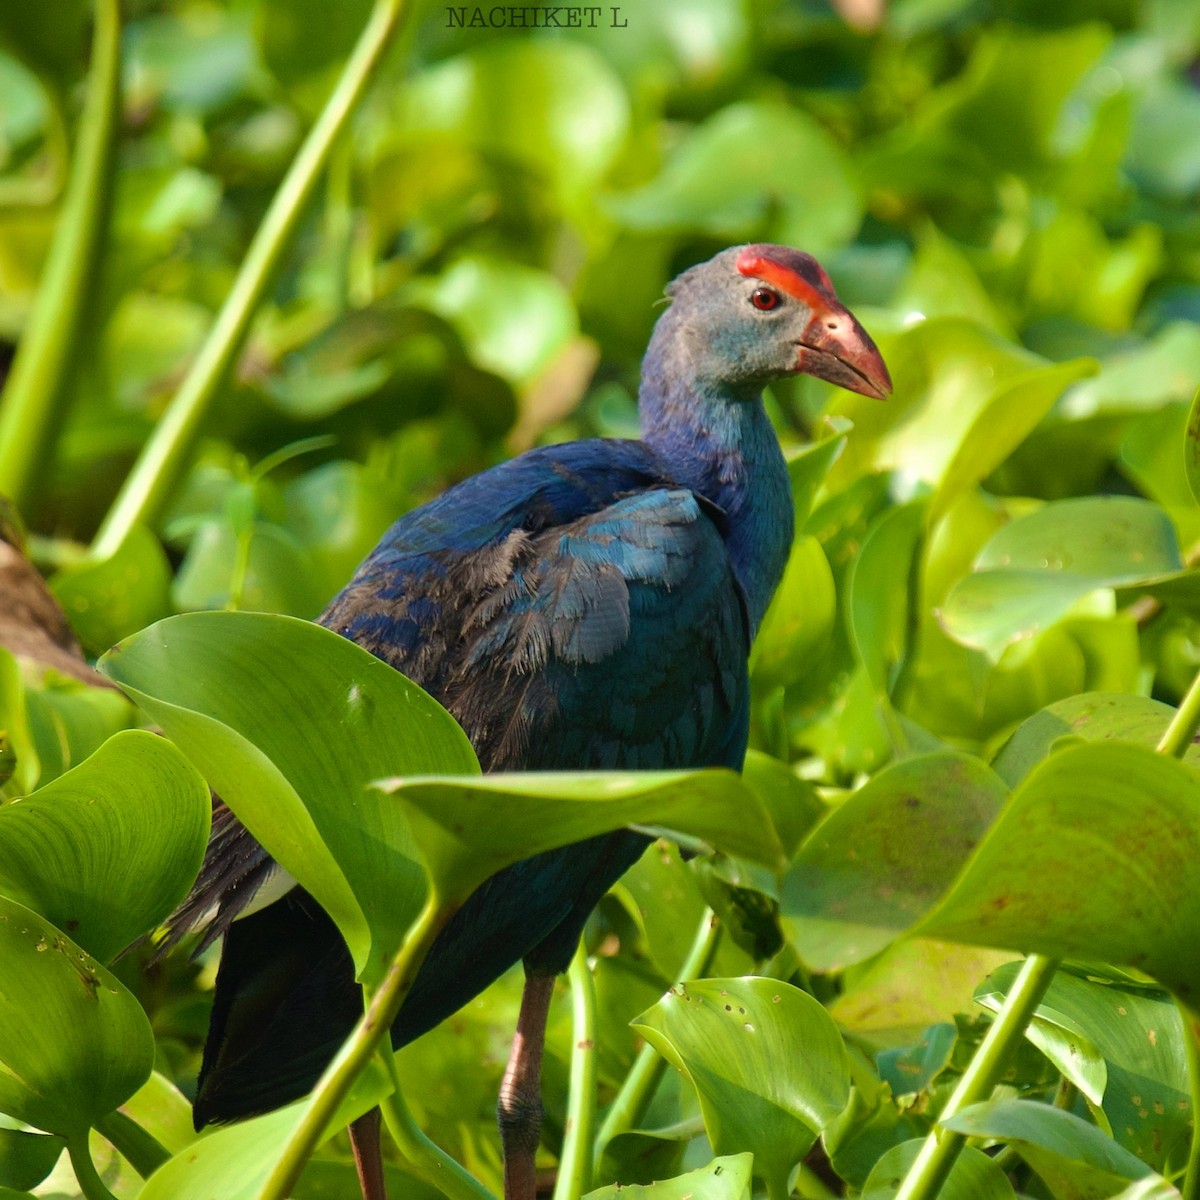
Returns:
<point x="764" y="299"/>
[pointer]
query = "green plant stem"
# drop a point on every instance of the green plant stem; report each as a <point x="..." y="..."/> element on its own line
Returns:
<point x="429" y="1162"/>
<point x="631" y="1102"/>
<point x="1177" y="737"/>
<point x="1189" y="1188"/>
<point x="35" y="397"/>
<point x="936" y="1158"/>
<point x="86" y="1175"/>
<point x="144" y="1152"/>
<point x="166" y="455"/>
<point x="356" y="1051"/>
<point x="575" y="1164"/>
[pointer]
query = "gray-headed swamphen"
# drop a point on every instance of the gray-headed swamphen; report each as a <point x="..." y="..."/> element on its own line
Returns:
<point x="587" y="605"/>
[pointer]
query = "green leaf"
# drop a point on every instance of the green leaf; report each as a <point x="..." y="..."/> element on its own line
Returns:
<point x="1075" y="1159"/>
<point x="26" y="1158"/>
<point x="74" y="1044"/>
<point x="552" y="105"/>
<point x="232" y="1163"/>
<point x="808" y="466"/>
<point x="726" y="1178"/>
<point x="288" y="722"/>
<point x="738" y="1041"/>
<point x="877" y="609"/>
<point x="106" y="600"/>
<point x="1095" y="855"/>
<point x="792" y="802"/>
<point x="958" y="409"/>
<point x="798" y="620"/>
<point x="974" y="1175"/>
<point x="882" y="859"/>
<point x="1034" y="570"/>
<point x="913" y="1068"/>
<point x="1122" y="1044"/>
<point x="1011" y="413"/>
<point x="1144" y="378"/>
<point x="108" y="850"/>
<point x="1091" y="717"/>
<point x="514" y="319"/>
<point x="469" y="828"/>
<point x="1191" y="447"/>
<point x="753" y="168"/>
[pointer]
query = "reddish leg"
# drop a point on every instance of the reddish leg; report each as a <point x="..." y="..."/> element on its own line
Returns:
<point x="520" y="1107"/>
<point x="368" y="1154"/>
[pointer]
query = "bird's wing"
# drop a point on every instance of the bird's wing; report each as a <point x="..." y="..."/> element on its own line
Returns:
<point x="616" y="639"/>
<point x="563" y="625"/>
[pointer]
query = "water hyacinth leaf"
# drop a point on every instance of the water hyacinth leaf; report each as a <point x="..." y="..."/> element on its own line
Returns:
<point x="912" y="1069"/>
<point x="725" y="1178"/>
<point x="798" y="621"/>
<point x="106" y="600"/>
<point x="877" y="610"/>
<point x="1011" y="413"/>
<point x="808" y="467"/>
<point x="1122" y="1043"/>
<point x="554" y="106"/>
<point x="737" y="1040"/>
<point x="107" y="850"/>
<point x="792" y="802"/>
<point x="26" y="1158"/>
<point x="913" y="984"/>
<point x="1091" y="717"/>
<point x="233" y="1162"/>
<point x="70" y="720"/>
<point x="1074" y="1158"/>
<point x="948" y="373"/>
<point x="1036" y="568"/>
<point x="753" y="164"/>
<point x="514" y="319"/>
<point x="74" y="1044"/>
<point x="1191" y="447"/>
<point x="1095" y="855"/>
<point x="882" y="859"/>
<point x="288" y="722"/>
<point x="1152" y="1187"/>
<point x="974" y="1175"/>
<point x="471" y="827"/>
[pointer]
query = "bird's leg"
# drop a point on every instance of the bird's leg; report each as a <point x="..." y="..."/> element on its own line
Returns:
<point x="520" y="1107"/>
<point x="368" y="1154"/>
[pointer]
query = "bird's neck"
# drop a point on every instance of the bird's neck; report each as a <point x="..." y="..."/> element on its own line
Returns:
<point x="722" y="446"/>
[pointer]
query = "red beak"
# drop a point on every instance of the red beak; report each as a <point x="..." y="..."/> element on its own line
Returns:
<point x="837" y="348"/>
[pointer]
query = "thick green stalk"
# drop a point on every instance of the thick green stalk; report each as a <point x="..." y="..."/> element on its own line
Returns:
<point x="575" y="1165"/>
<point x="425" y="1157"/>
<point x="140" y="1147"/>
<point x="936" y="1158"/>
<point x="165" y="456"/>
<point x="1189" y="1187"/>
<point x="1177" y="737"/>
<point x="35" y="397"/>
<point x="631" y="1102"/>
<point x="333" y="1087"/>
<point x="90" y="1184"/>
<point x="928" y="1172"/>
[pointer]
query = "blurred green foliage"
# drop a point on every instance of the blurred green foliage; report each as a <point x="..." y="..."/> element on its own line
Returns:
<point x="1006" y="192"/>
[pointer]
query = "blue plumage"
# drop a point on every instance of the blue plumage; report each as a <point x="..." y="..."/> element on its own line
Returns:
<point x="588" y="605"/>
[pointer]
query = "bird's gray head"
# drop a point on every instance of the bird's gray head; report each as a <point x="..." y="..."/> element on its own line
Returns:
<point x="756" y="313"/>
